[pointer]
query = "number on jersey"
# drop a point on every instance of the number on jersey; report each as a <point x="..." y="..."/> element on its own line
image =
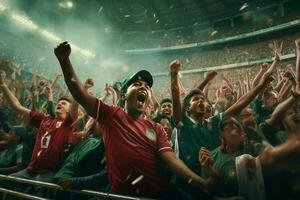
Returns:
<point x="45" y="141"/>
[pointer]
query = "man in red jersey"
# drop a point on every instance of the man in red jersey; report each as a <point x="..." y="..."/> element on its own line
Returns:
<point x="52" y="137"/>
<point x="137" y="149"/>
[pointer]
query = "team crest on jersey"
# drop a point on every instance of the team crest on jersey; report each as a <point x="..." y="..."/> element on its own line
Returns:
<point x="46" y="123"/>
<point x="58" y="124"/>
<point x="151" y="134"/>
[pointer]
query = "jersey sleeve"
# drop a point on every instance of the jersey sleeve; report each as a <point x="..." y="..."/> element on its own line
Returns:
<point x="163" y="144"/>
<point x="36" y="118"/>
<point x="103" y="112"/>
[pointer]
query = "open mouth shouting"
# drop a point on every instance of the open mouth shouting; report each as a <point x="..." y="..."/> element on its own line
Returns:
<point x="201" y="107"/>
<point x="58" y="108"/>
<point x="141" y="97"/>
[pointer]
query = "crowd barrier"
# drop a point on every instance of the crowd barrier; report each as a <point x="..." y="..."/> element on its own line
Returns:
<point x="52" y="186"/>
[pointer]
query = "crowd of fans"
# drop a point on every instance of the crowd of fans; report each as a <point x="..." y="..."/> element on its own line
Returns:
<point x="231" y="137"/>
<point x="212" y="57"/>
<point x="195" y="34"/>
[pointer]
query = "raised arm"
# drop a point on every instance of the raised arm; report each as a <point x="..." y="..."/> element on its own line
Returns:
<point x="277" y="54"/>
<point x="226" y="80"/>
<point x="156" y="105"/>
<point x="76" y="88"/>
<point x="50" y="105"/>
<point x="247" y="98"/>
<point x="57" y="78"/>
<point x="206" y="89"/>
<point x="263" y="68"/>
<point x="280" y="110"/>
<point x="175" y="90"/>
<point x="12" y="100"/>
<point x="209" y="76"/>
<point x="33" y="83"/>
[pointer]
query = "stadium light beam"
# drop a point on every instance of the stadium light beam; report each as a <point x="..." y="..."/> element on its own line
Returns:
<point x="48" y="35"/>
<point x="3" y="7"/>
<point x="51" y="36"/>
<point x="24" y="21"/>
<point x="87" y="53"/>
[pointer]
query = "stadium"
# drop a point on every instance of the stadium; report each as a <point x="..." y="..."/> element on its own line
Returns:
<point x="149" y="99"/>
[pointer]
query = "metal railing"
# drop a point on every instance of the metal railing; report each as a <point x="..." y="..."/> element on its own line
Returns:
<point x="57" y="187"/>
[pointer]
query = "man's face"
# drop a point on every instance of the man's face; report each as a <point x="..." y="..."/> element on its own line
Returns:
<point x="166" y="108"/>
<point x="197" y="105"/>
<point x="138" y="96"/>
<point x="165" y="123"/>
<point x="62" y="107"/>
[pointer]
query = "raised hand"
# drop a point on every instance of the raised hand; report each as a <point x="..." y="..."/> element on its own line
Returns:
<point x="89" y="83"/>
<point x="48" y="93"/>
<point x="205" y="158"/>
<point x="278" y="50"/>
<point x="174" y="67"/>
<point x="58" y="75"/>
<point x="62" y="51"/>
<point x="210" y="75"/>
<point x="267" y="78"/>
<point x="264" y="66"/>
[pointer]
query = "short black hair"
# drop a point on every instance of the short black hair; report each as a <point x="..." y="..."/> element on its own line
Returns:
<point x="230" y="120"/>
<point x="166" y="100"/>
<point x="159" y="117"/>
<point x="188" y="97"/>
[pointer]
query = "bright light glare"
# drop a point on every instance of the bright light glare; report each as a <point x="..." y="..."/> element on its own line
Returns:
<point x="48" y="35"/>
<point x="245" y="5"/>
<point x="66" y="4"/>
<point x="87" y="53"/>
<point x="75" y="47"/>
<point x="69" y="4"/>
<point x="2" y="7"/>
<point x="51" y="36"/>
<point x="23" y="20"/>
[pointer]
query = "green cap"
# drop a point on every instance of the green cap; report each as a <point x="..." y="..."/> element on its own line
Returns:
<point x="143" y="74"/>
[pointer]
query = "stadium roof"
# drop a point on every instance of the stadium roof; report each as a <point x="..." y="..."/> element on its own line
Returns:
<point x="139" y="15"/>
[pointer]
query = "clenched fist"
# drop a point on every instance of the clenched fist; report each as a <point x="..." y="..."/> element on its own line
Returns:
<point x="62" y="51"/>
<point x="174" y="66"/>
<point x="89" y="83"/>
<point x="211" y="75"/>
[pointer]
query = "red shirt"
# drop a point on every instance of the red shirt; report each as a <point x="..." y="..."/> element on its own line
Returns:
<point x="132" y="148"/>
<point x="50" y="144"/>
